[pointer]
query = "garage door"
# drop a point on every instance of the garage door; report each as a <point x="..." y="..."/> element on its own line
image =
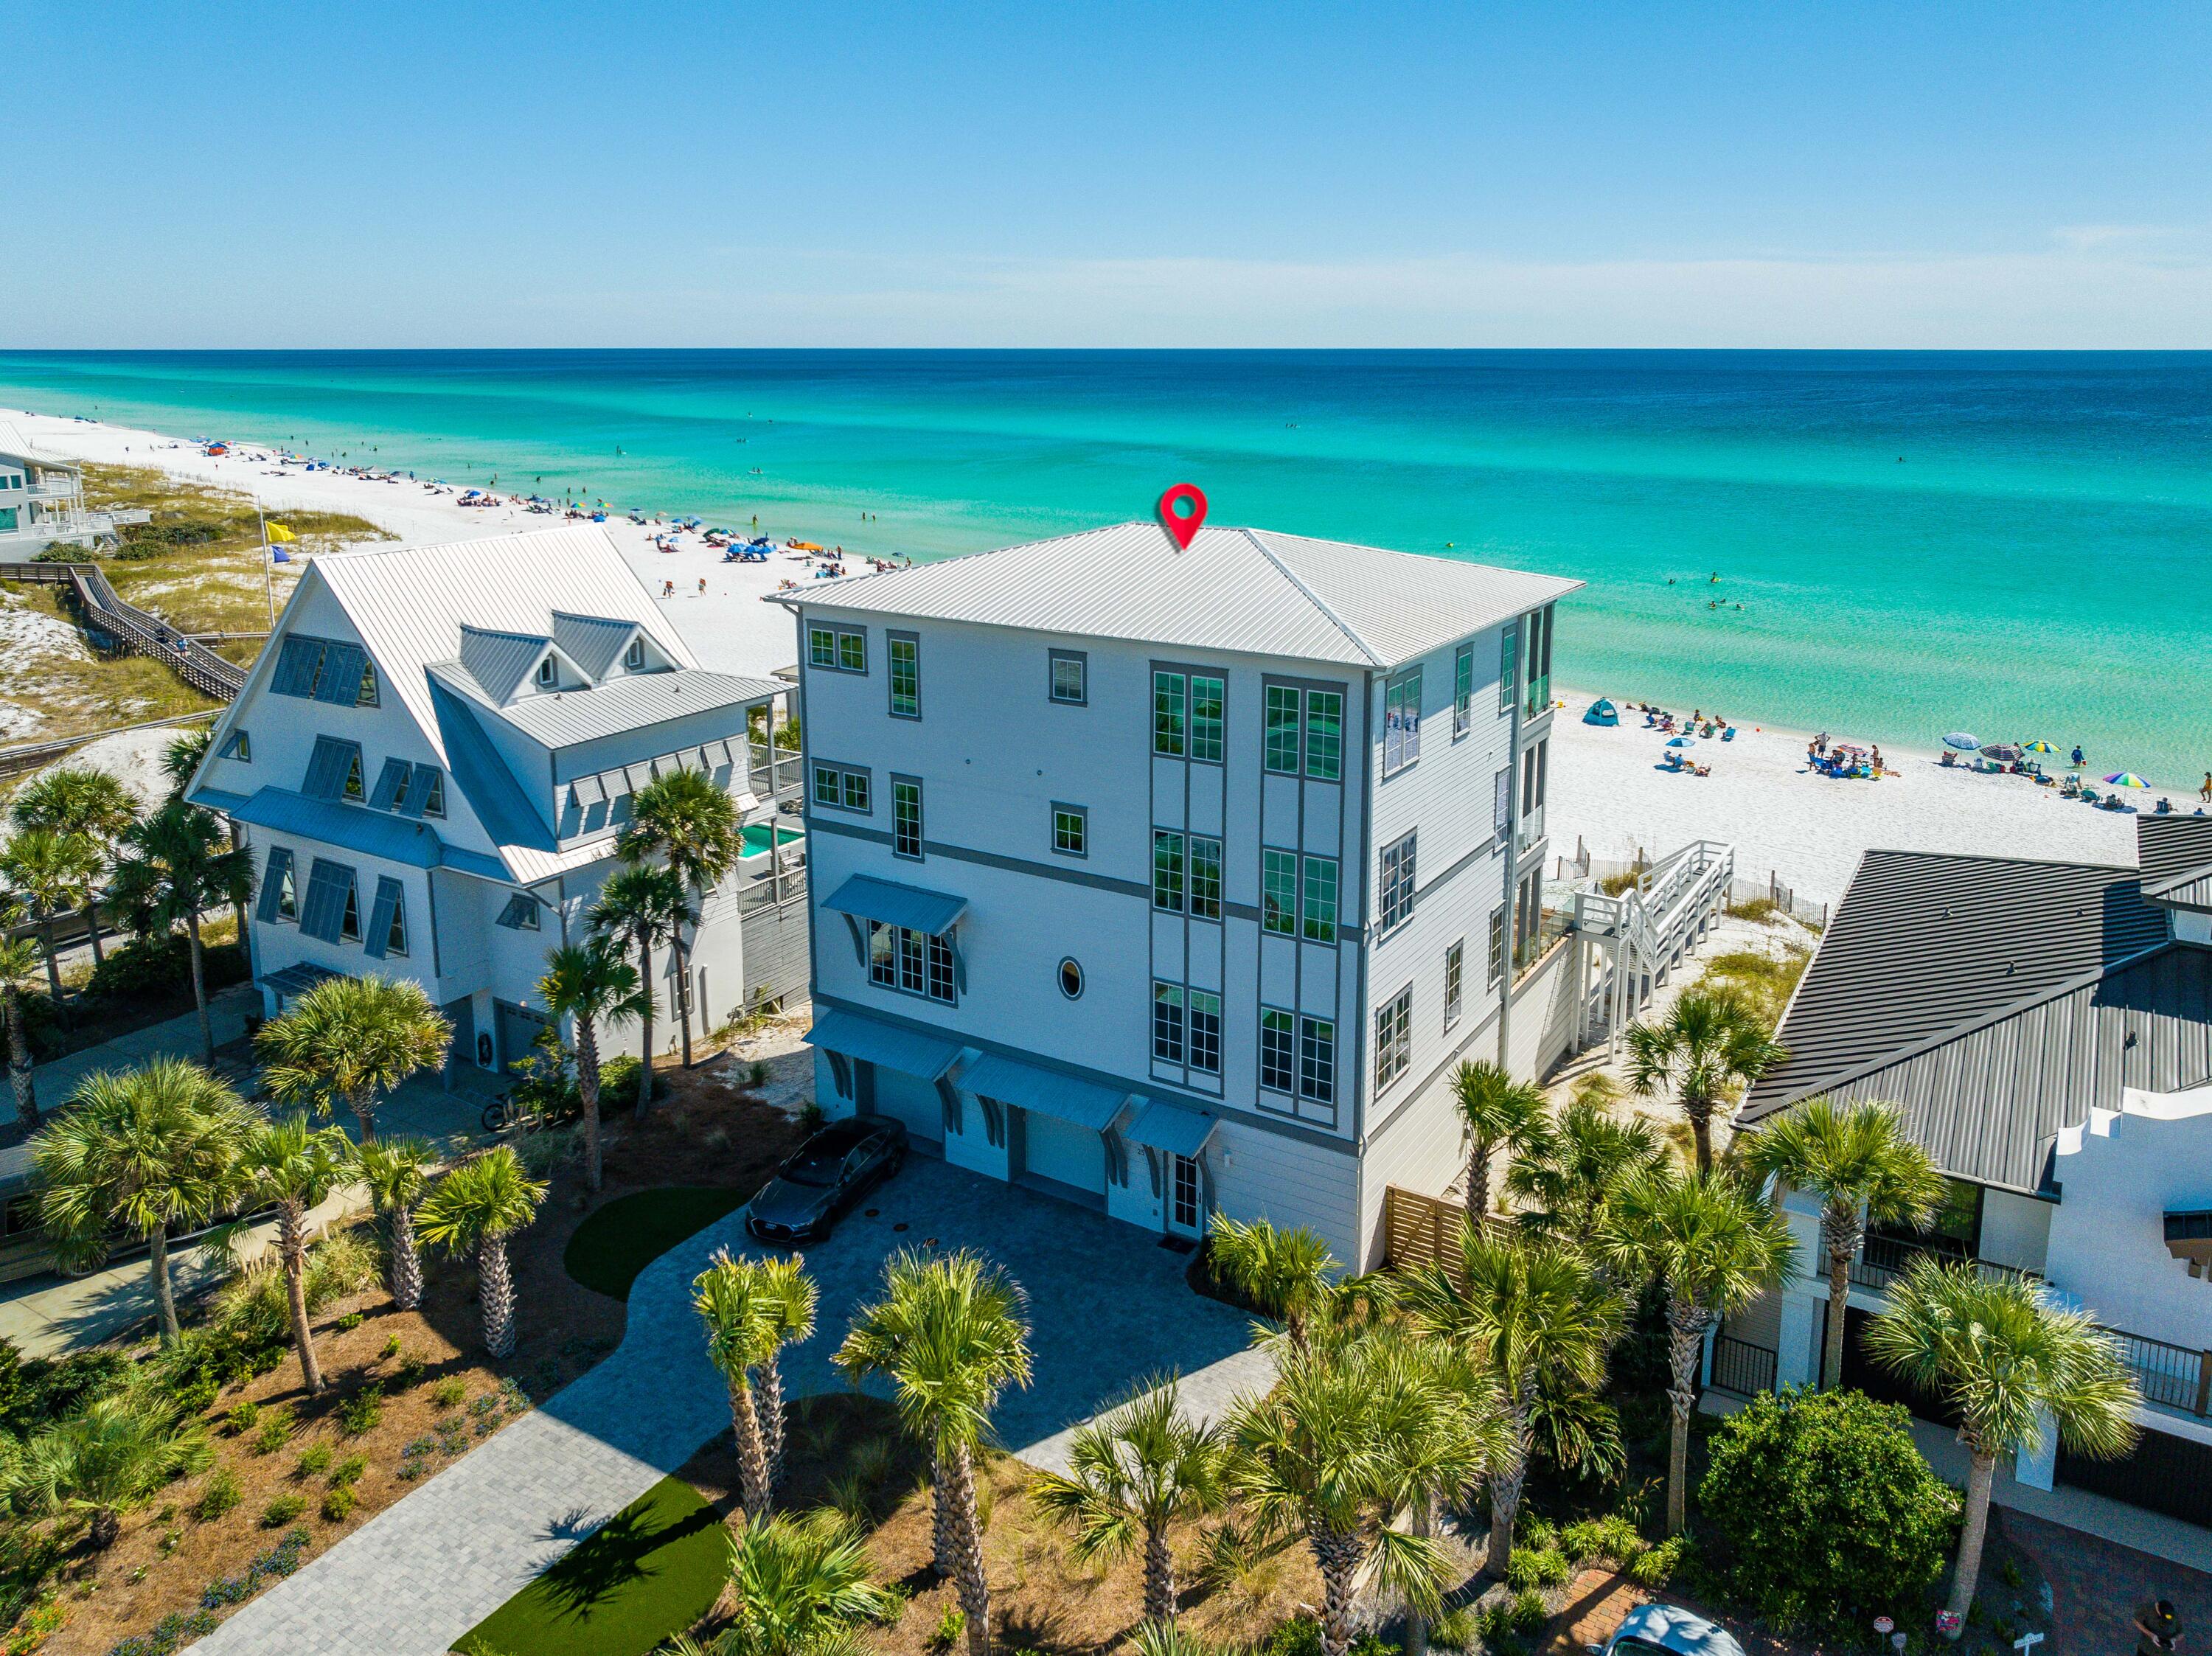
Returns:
<point x="911" y="1100"/>
<point x="1064" y="1153"/>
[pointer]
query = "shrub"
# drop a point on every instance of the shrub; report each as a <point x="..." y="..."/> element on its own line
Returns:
<point x="950" y="1627"/>
<point x="279" y="1561"/>
<point x="1495" y="1624"/>
<point x="390" y="1348"/>
<point x="253" y="1306"/>
<point x="1535" y="1530"/>
<point x="156" y="969"/>
<point x="1830" y="1515"/>
<point x="218" y="1496"/>
<point x="282" y="1510"/>
<point x="1536" y="1566"/>
<point x="171" y="1633"/>
<point x="448" y="1393"/>
<point x="1610" y="1538"/>
<point x="1455" y="1629"/>
<point x="346" y="1324"/>
<point x="1656" y="1565"/>
<point x="339" y="1502"/>
<point x="1528" y="1612"/>
<point x="242" y="1417"/>
<point x="36" y="1391"/>
<point x="1299" y="1637"/>
<point x="276" y="1430"/>
<point x="313" y="1462"/>
<point x="348" y="1471"/>
<point x="362" y="1411"/>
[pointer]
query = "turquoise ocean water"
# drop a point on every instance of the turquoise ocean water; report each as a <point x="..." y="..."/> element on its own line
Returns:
<point x="2018" y="543"/>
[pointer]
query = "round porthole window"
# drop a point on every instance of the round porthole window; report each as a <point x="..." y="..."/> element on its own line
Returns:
<point x="1070" y="978"/>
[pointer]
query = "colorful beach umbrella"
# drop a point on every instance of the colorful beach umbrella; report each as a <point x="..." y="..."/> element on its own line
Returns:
<point x="2125" y="779"/>
<point x="1966" y="741"/>
<point x="2037" y="746"/>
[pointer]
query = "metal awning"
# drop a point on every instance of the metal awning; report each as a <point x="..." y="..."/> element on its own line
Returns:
<point x="297" y="979"/>
<point x="1046" y="1091"/>
<point x="1172" y="1128"/>
<point x="873" y="1041"/>
<point x="866" y="898"/>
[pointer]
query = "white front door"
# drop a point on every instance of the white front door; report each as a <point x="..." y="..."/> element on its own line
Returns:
<point x="1064" y="1153"/>
<point x="1186" y="1197"/>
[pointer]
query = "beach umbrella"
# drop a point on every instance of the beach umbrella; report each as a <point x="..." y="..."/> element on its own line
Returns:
<point x="2037" y="746"/>
<point x="2125" y="779"/>
<point x="1681" y="742"/>
<point x="2001" y="750"/>
<point x="1967" y="741"/>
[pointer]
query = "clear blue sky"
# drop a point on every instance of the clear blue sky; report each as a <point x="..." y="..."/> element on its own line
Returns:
<point x="1773" y="173"/>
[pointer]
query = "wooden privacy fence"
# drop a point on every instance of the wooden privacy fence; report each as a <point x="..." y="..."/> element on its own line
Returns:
<point x="1421" y="1230"/>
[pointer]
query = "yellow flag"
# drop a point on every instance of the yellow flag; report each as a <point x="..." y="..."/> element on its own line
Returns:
<point x="278" y="533"/>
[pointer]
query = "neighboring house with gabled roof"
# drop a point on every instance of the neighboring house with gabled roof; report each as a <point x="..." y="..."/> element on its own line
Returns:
<point x="2045" y="1029"/>
<point x="42" y="500"/>
<point x="434" y="753"/>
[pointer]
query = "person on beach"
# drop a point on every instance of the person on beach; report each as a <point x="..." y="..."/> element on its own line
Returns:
<point x="2079" y="760"/>
<point x="1875" y="761"/>
<point x="2204" y="793"/>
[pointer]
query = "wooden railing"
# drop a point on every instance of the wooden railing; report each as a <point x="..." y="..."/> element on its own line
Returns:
<point x="134" y="630"/>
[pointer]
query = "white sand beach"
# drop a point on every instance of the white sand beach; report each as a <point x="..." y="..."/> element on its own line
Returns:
<point x="1606" y="789"/>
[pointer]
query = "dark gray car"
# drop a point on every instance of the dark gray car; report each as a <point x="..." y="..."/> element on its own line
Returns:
<point x="824" y="1176"/>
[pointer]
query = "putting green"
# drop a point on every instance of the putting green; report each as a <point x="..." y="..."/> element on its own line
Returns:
<point x="611" y="1246"/>
<point x="646" y="1575"/>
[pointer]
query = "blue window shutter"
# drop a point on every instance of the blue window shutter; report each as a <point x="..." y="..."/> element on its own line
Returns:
<point x="296" y="665"/>
<point x="388" y="899"/>
<point x="323" y="912"/>
<point x="390" y="785"/>
<point x="418" y="790"/>
<point x="272" y="883"/>
<point x="327" y="767"/>
<point x="341" y="678"/>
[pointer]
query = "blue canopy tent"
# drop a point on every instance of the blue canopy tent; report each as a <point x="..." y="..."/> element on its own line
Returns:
<point x="1601" y="711"/>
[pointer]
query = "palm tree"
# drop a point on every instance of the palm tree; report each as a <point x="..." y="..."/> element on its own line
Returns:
<point x="1136" y="1469"/>
<point x="1564" y="1184"/>
<point x="294" y="1167"/>
<point x="56" y="871"/>
<point x="78" y="799"/>
<point x="791" y="1297"/>
<point x="19" y="965"/>
<point x="474" y="1210"/>
<point x="950" y="1335"/>
<point x="144" y="1151"/>
<point x="741" y="1333"/>
<point x="593" y="983"/>
<point x="396" y="1170"/>
<point x="104" y="1462"/>
<point x="1335" y="1451"/>
<point x="1857" y="1160"/>
<point x="1290" y="1275"/>
<point x="1710" y="1045"/>
<point x="1495" y="1112"/>
<point x="174" y="868"/>
<point x="648" y="906"/>
<point x="1532" y="1314"/>
<point x="2006" y="1357"/>
<point x="800" y="1585"/>
<point x="1715" y="1246"/>
<point x="355" y="1039"/>
<point x="180" y="760"/>
<point x="692" y="825"/>
<point x="1465" y="1429"/>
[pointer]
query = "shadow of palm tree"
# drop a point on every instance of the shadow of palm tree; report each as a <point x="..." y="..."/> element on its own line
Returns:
<point x="612" y="1558"/>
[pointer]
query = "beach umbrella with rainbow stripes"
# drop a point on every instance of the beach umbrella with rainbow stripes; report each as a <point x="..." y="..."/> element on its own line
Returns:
<point x="2125" y="779"/>
<point x="2037" y="746"/>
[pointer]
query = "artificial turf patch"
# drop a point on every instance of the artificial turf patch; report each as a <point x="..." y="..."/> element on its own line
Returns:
<point x="644" y="1575"/>
<point x="610" y="1248"/>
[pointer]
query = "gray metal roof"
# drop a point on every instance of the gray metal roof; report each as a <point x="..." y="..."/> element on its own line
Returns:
<point x="633" y="701"/>
<point x="1252" y="592"/>
<point x="2176" y="854"/>
<point x="595" y="643"/>
<point x="1992" y="998"/>
<point x="495" y="662"/>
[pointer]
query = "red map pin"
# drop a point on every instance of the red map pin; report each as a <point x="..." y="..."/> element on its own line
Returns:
<point x="1182" y="509"/>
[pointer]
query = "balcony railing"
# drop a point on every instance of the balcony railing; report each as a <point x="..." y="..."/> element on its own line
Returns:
<point x="774" y="777"/>
<point x="1539" y="697"/>
<point x="2170" y="1374"/>
<point x="1742" y="1368"/>
<point x="1882" y="1260"/>
<point x="1532" y="827"/>
<point x="771" y="891"/>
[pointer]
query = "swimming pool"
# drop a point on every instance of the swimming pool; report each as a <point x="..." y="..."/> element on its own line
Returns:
<point x="755" y="841"/>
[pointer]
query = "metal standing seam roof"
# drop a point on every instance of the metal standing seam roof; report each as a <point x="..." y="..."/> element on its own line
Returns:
<point x="890" y="903"/>
<point x="595" y="643"/>
<point x="1171" y="1128"/>
<point x="873" y="1041"/>
<point x="1251" y="592"/>
<point x="2176" y="855"/>
<point x="1046" y="1092"/>
<point x="495" y="662"/>
<point x="633" y="702"/>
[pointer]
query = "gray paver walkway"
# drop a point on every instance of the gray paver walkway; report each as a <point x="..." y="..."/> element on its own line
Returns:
<point x="1108" y="1307"/>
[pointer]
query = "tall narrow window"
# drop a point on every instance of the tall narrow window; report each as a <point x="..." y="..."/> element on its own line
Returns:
<point x="350" y="918"/>
<point x="1207" y="696"/>
<point x="883" y="953"/>
<point x="634" y="655"/>
<point x="365" y="695"/>
<point x="1278" y="1050"/>
<point x="1205" y="1020"/>
<point x="1168" y="733"/>
<point x="904" y="652"/>
<point x="913" y="976"/>
<point x="353" y="784"/>
<point x="1394" y="1038"/>
<point x="1168" y="870"/>
<point x="1167" y="1022"/>
<point x="1496" y="944"/>
<point x="433" y="800"/>
<point x="940" y="969"/>
<point x="1509" y="663"/>
<point x="395" y="936"/>
<point x="287" y="894"/>
<point x="1397" y="883"/>
<point x="1454" y="981"/>
<point x="906" y="817"/>
<point x="1325" y="735"/>
<point x="1282" y="732"/>
<point x="1401" y="723"/>
<point x="1317" y="1059"/>
<point x="1187" y="1197"/>
<point x="546" y="671"/>
<point x="852" y="651"/>
<point x="1462" y="691"/>
<point x="1278" y="891"/>
<point x="1317" y="919"/>
<point x="1205" y="878"/>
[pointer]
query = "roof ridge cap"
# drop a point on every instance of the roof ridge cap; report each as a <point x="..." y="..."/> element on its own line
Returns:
<point x="1312" y="596"/>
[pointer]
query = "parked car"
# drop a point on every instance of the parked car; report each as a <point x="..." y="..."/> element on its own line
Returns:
<point x="1665" y="1631"/>
<point x="824" y="1176"/>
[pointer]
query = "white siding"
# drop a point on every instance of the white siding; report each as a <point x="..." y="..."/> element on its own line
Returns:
<point x="1259" y="1174"/>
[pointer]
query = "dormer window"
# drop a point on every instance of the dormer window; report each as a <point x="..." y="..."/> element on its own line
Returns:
<point x="365" y="695"/>
<point x="634" y="657"/>
<point x="545" y="670"/>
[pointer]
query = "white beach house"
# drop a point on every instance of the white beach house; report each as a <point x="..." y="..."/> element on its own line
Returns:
<point x="42" y="500"/>
<point x="1173" y="881"/>
<point x="434" y="753"/>
<point x="2046" y="1029"/>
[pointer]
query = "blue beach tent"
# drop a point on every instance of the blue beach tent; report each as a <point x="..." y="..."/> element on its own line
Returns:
<point x="1601" y="711"/>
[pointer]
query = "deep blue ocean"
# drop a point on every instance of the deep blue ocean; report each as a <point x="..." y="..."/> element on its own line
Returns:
<point x="1906" y="542"/>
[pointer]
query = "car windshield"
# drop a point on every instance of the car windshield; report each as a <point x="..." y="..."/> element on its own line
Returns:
<point x="814" y="1167"/>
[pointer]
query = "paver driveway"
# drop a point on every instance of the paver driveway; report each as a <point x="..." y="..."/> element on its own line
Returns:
<point x="1107" y="1307"/>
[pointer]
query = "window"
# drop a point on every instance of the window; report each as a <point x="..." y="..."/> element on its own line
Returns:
<point x="1462" y="691"/>
<point x="1205" y="878"/>
<point x="365" y="695"/>
<point x="904" y="652"/>
<point x="352" y="789"/>
<point x="329" y="900"/>
<point x="1167" y="715"/>
<point x="1318" y="916"/>
<point x="1277" y="1049"/>
<point x="1071" y="830"/>
<point x="1206" y="696"/>
<point x="841" y="787"/>
<point x="1455" y="980"/>
<point x="328" y="766"/>
<point x="395" y="941"/>
<point x="917" y="963"/>
<point x="392" y="785"/>
<point x="940" y="969"/>
<point x="1401" y="724"/>
<point x="520" y="914"/>
<point x="1397" y="883"/>
<point x="1496" y="944"/>
<point x="1168" y="870"/>
<point x="1071" y="677"/>
<point x="546" y="670"/>
<point x="1070" y="978"/>
<point x="906" y="817"/>
<point x="1185" y="1213"/>
<point x="883" y="953"/>
<point x="1501" y="804"/>
<point x="350" y="917"/>
<point x="1394" y="1038"/>
<point x="1167" y="1022"/>
<point x="1325" y="735"/>
<point x="1278" y="891"/>
<point x="837" y="649"/>
<point x="634" y="656"/>
<point x="821" y="648"/>
<point x="387" y="919"/>
<point x="1282" y="730"/>
<point x="433" y="800"/>
<point x="1205" y="1043"/>
<point x="1317" y="1060"/>
<point x="912" y="956"/>
<point x="852" y="651"/>
<point x="288" y="893"/>
<point x="240" y="747"/>
<point x="1509" y="661"/>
